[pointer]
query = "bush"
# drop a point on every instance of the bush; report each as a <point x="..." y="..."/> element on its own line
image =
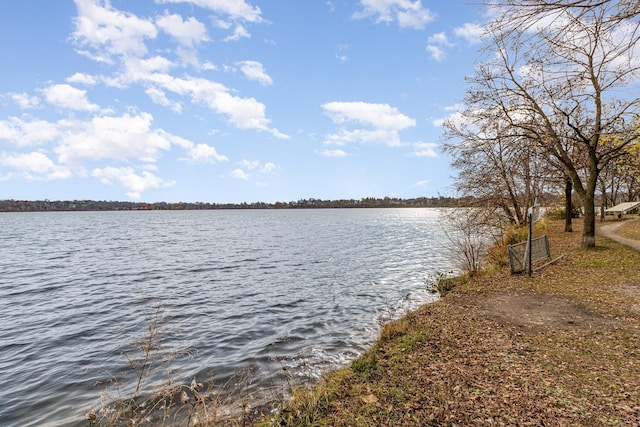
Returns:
<point x="470" y="232"/>
<point x="443" y="283"/>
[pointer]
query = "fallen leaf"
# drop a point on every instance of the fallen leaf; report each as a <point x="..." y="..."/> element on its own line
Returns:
<point x="369" y="398"/>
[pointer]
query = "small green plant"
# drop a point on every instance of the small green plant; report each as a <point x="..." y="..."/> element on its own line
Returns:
<point x="442" y="283"/>
<point x="365" y="364"/>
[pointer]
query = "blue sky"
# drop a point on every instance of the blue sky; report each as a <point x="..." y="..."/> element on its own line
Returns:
<point x="230" y="100"/>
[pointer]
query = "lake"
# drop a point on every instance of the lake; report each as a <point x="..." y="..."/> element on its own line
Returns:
<point x="244" y="290"/>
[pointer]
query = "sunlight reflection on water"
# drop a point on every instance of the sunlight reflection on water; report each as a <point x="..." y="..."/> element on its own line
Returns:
<point x="247" y="289"/>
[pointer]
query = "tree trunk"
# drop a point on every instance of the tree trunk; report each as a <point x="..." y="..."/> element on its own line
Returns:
<point x="568" y="207"/>
<point x="603" y="199"/>
<point x="589" y="233"/>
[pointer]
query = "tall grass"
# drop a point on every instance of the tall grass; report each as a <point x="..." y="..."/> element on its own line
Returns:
<point x="151" y="393"/>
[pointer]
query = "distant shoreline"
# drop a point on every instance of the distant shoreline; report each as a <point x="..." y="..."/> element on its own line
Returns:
<point x="95" y="205"/>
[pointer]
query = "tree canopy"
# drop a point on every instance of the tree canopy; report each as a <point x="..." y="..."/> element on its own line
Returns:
<point x="558" y="81"/>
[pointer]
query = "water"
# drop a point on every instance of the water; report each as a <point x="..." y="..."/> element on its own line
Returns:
<point x="247" y="289"/>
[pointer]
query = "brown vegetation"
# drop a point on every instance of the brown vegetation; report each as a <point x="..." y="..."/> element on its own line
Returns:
<point x="561" y="348"/>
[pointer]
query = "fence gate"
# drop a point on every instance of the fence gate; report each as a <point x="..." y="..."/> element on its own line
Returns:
<point x="517" y="252"/>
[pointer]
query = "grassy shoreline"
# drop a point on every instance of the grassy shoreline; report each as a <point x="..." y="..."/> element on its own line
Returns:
<point x="561" y="348"/>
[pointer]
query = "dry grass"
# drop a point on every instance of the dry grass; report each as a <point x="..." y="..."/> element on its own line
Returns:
<point x="170" y="402"/>
<point x="462" y="361"/>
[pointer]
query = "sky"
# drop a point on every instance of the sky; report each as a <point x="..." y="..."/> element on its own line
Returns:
<point x="229" y="101"/>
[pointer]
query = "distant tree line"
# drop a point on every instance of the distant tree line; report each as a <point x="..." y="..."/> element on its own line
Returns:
<point x="97" y="205"/>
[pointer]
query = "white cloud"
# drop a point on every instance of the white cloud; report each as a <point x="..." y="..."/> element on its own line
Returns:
<point x="423" y="183"/>
<point x="454" y="115"/>
<point x="407" y="13"/>
<point x="250" y="164"/>
<point x="364" y="136"/>
<point x="82" y="78"/>
<point x="470" y="32"/>
<point x="187" y="32"/>
<point x="424" y="149"/>
<point x="439" y="39"/>
<point x="243" y="113"/>
<point x="23" y="133"/>
<point x="208" y="65"/>
<point x="438" y="122"/>
<point x="437" y="43"/>
<point x="136" y="184"/>
<point x="140" y="70"/>
<point x="341" y="55"/>
<point x="24" y="100"/>
<point x="235" y="9"/>
<point x="625" y="34"/>
<point x="112" y="137"/>
<point x="334" y="153"/>
<point x="35" y="161"/>
<point x="110" y="31"/>
<point x="381" y="116"/>
<point x="159" y="97"/>
<point x="240" y="32"/>
<point x="384" y="123"/>
<point x="240" y="174"/>
<point x="188" y="56"/>
<point x="203" y="153"/>
<point x="436" y="52"/>
<point x="34" y="165"/>
<point x="269" y="168"/>
<point x="253" y="70"/>
<point x="66" y="96"/>
<point x="556" y="20"/>
<point x="221" y="23"/>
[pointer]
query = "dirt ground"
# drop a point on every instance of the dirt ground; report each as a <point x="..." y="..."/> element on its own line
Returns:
<point x="531" y="310"/>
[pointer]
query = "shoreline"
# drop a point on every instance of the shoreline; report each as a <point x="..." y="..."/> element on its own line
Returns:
<point x="558" y="348"/>
<point x="11" y="205"/>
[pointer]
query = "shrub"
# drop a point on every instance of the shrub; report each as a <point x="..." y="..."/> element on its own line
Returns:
<point x="470" y="232"/>
<point x="443" y="283"/>
<point x="150" y="402"/>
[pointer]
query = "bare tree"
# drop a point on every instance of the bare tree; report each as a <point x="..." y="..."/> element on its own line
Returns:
<point x="499" y="168"/>
<point x="568" y="205"/>
<point x="561" y="75"/>
<point x="527" y="10"/>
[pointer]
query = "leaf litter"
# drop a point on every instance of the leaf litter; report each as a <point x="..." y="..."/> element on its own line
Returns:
<point x="559" y="349"/>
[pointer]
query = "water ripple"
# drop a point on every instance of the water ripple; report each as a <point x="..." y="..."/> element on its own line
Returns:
<point x="248" y="290"/>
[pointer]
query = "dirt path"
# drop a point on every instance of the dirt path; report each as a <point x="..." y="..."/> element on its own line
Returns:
<point x="608" y="230"/>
